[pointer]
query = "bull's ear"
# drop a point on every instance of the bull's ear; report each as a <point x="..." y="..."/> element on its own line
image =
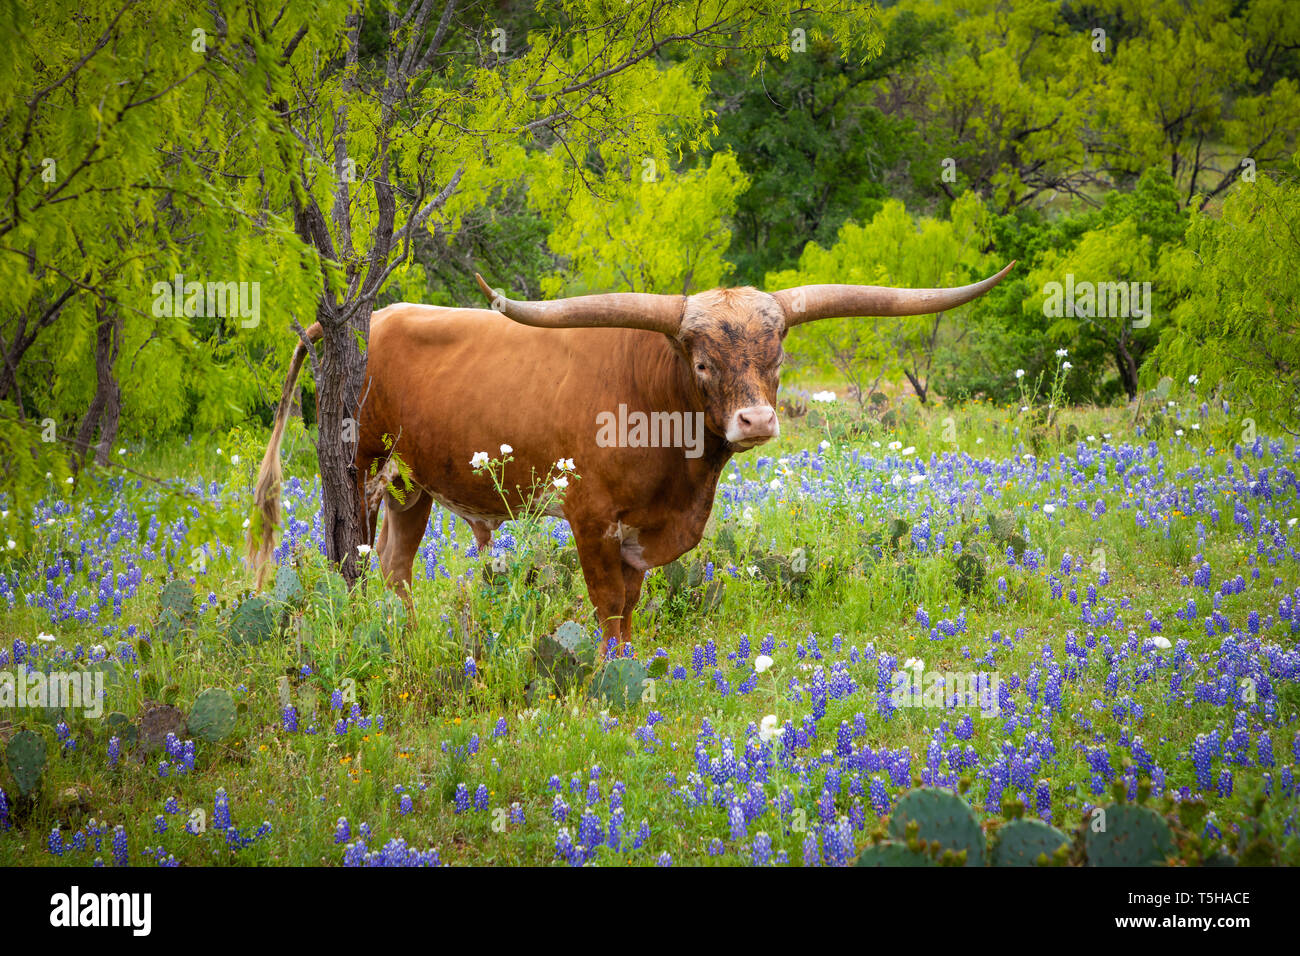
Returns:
<point x="678" y="346"/>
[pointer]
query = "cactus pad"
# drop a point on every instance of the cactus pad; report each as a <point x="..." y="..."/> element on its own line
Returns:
<point x="178" y="597"/>
<point x="156" y="722"/>
<point x="119" y="725"/>
<point x="287" y="588"/>
<point x="1023" y="842"/>
<point x="1133" y="836"/>
<point x="940" y="816"/>
<point x="213" y="715"/>
<point x="620" y="683"/>
<point x="970" y="574"/>
<point x="254" y="621"/>
<point x="566" y="657"/>
<point x="330" y="596"/>
<point x="25" y="756"/>
<point x="890" y="853"/>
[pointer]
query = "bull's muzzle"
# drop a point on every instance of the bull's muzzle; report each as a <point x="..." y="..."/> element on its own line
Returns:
<point x="753" y="426"/>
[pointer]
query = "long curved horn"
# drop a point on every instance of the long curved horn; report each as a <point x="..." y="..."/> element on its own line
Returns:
<point x="624" y="310"/>
<point x="807" y="303"/>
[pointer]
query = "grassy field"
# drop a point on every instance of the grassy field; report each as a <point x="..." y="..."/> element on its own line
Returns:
<point x="1128" y="589"/>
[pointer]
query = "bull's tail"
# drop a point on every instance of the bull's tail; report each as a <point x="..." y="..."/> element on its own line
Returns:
<point x="266" y="495"/>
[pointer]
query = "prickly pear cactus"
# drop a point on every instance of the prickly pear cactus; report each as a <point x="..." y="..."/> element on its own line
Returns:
<point x="1017" y="544"/>
<point x="898" y="529"/>
<point x="496" y="571"/>
<point x="890" y="853"/>
<point x="287" y="588"/>
<point x="554" y="569"/>
<point x="940" y="816"/>
<point x="176" y="610"/>
<point x="686" y="582"/>
<point x="1027" y="843"/>
<point x="1131" y="836"/>
<point x="25" y="756"/>
<point x="785" y="572"/>
<point x="567" y="657"/>
<point x="871" y="549"/>
<point x="178" y="596"/>
<point x="1001" y="525"/>
<point x="620" y="683"/>
<point x="254" y="621"/>
<point x="330" y="596"/>
<point x="727" y="542"/>
<point x="388" y="617"/>
<point x="213" y="715"/>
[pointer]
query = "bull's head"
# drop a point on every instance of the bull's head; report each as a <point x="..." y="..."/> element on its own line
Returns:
<point x="731" y="339"/>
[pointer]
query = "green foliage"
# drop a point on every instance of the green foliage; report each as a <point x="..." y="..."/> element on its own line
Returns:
<point x="891" y="249"/>
<point x="1234" y="324"/>
<point x="814" y="145"/>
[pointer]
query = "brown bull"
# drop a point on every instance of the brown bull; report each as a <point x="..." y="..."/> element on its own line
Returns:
<point x="543" y="377"/>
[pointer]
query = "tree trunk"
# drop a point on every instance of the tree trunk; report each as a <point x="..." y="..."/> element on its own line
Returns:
<point x="917" y="386"/>
<point x="106" y="407"/>
<point x="339" y="401"/>
<point x="1124" y="361"/>
<point x="14" y="350"/>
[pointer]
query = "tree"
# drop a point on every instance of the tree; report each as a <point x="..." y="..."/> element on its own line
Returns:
<point x="816" y="145"/>
<point x="1006" y="103"/>
<point x="1101" y="296"/>
<point x="893" y="249"/>
<point x="1236" y="324"/>
<point x="1208" y="90"/>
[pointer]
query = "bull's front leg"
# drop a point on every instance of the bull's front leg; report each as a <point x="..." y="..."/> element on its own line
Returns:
<point x="602" y="568"/>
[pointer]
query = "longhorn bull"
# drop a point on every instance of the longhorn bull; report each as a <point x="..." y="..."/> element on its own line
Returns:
<point x="448" y="383"/>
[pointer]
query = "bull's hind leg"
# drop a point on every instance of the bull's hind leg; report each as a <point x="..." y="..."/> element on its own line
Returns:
<point x="399" y="540"/>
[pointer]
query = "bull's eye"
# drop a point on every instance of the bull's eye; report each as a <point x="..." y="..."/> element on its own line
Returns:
<point x="701" y="367"/>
